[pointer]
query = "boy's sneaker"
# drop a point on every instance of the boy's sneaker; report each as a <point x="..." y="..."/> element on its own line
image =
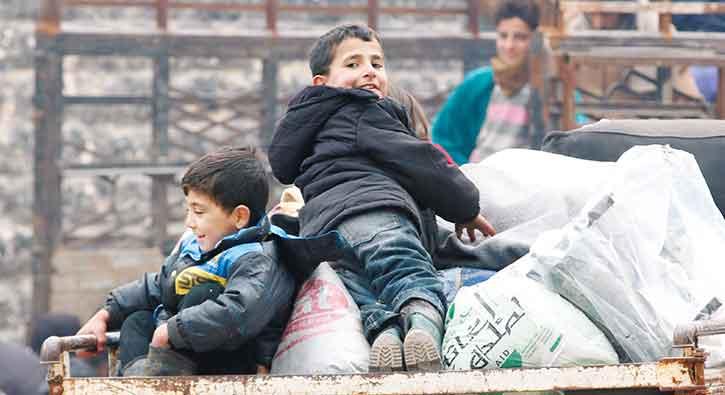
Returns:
<point x="386" y="353"/>
<point x="424" y="333"/>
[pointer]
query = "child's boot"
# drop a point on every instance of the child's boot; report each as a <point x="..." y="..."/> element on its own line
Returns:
<point x="136" y="367"/>
<point x="167" y="362"/>
<point x="423" y="326"/>
<point x="386" y="353"/>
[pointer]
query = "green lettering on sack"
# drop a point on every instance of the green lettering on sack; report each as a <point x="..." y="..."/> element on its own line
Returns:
<point x="513" y="361"/>
<point x="556" y="344"/>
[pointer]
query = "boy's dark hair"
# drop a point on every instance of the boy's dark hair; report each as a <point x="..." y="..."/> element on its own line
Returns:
<point x="527" y="10"/>
<point x="230" y="176"/>
<point x="323" y="51"/>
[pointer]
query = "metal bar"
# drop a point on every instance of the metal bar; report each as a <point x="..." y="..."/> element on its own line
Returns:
<point x="473" y="10"/>
<point x="270" y="88"/>
<point x="114" y="169"/>
<point x="630" y="7"/>
<point x="263" y="45"/>
<point x="373" y="13"/>
<point x="720" y="106"/>
<point x="262" y="7"/>
<point x="568" y="84"/>
<point x="49" y="18"/>
<point x="665" y="25"/>
<point x="271" y="11"/>
<point x="667" y="375"/>
<point x="162" y="14"/>
<point x="111" y="3"/>
<point x="106" y="100"/>
<point x="48" y="120"/>
<point x="160" y="150"/>
<point x="687" y="335"/>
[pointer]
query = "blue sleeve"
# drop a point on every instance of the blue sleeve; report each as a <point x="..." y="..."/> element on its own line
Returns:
<point x="457" y="124"/>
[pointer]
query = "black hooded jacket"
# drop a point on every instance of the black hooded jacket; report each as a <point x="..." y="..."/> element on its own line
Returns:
<point x="351" y="152"/>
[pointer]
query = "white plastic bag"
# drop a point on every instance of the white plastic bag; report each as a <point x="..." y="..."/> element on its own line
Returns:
<point x="522" y="193"/>
<point x="644" y="255"/>
<point x="324" y="334"/>
<point x="511" y="321"/>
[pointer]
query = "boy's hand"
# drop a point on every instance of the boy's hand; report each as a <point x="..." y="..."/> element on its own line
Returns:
<point x="97" y="325"/>
<point x="479" y="223"/>
<point x="161" y="337"/>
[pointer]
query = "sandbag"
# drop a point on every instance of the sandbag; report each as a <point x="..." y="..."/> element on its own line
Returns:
<point x="324" y="334"/>
<point x="510" y="321"/>
<point x="607" y="140"/>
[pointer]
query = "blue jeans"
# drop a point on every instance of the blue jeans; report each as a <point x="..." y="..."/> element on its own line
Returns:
<point x="386" y="266"/>
<point x="138" y="329"/>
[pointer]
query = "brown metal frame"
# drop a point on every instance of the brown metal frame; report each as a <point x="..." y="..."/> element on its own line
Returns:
<point x="54" y="41"/>
<point x="663" y="49"/>
<point x="683" y="375"/>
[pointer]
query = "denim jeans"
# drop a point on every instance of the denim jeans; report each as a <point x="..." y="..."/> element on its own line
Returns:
<point x="138" y="329"/>
<point x="385" y="266"/>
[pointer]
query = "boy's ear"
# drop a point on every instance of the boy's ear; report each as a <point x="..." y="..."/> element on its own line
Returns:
<point x="319" y="79"/>
<point x="241" y="215"/>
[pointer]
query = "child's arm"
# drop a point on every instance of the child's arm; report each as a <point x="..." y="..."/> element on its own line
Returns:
<point x="479" y="223"/>
<point x="254" y="292"/>
<point x="421" y="168"/>
<point x="96" y="325"/>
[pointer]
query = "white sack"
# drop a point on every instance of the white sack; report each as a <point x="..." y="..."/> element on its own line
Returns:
<point x="324" y="334"/>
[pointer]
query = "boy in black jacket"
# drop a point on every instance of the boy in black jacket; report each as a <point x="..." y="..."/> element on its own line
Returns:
<point x="363" y="173"/>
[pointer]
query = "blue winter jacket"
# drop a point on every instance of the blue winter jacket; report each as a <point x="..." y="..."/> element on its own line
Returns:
<point x="255" y="266"/>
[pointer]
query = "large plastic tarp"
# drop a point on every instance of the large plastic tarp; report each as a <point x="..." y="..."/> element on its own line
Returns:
<point x="522" y="193"/>
<point x="644" y="254"/>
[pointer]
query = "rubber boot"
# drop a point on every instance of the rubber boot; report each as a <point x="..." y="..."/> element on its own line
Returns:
<point x="134" y="368"/>
<point x="386" y="353"/>
<point x="167" y="362"/>
<point x="423" y="327"/>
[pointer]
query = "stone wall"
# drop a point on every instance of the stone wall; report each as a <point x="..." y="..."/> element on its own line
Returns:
<point x="81" y="279"/>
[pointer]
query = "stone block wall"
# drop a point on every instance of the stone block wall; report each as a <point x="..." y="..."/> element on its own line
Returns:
<point x="81" y="279"/>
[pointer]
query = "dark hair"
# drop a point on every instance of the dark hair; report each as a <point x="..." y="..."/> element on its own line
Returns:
<point x="323" y="51"/>
<point x="527" y="10"/>
<point x="230" y="176"/>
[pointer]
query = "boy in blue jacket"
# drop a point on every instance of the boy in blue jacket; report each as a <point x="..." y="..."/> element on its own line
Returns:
<point x="363" y="173"/>
<point x="221" y="299"/>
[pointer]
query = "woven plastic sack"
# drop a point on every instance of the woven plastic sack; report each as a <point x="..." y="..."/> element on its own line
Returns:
<point x="510" y="321"/>
<point x="324" y="334"/>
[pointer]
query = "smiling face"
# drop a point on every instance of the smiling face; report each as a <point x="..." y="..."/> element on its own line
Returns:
<point x="209" y="221"/>
<point x="357" y="64"/>
<point x="513" y="39"/>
